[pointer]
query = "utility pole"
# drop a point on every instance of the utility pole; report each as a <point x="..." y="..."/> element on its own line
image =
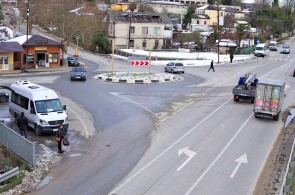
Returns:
<point x="218" y="31"/>
<point x="129" y="31"/>
<point x="27" y="46"/>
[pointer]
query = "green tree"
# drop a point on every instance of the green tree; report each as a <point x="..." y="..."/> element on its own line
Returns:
<point x="211" y="2"/>
<point x="188" y="16"/>
<point x="99" y="39"/>
<point x="226" y="2"/>
<point x="240" y="31"/>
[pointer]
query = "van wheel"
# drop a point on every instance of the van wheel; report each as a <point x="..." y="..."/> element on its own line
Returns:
<point x="2" y="99"/>
<point x="37" y="130"/>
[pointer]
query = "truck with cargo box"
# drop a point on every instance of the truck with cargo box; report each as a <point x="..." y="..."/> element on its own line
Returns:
<point x="269" y="96"/>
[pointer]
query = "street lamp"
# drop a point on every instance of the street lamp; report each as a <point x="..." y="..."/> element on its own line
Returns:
<point x="27" y="47"/>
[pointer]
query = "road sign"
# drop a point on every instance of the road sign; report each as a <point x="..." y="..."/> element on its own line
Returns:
<point x="140" y="63"/>
<point x="258" y="41"/>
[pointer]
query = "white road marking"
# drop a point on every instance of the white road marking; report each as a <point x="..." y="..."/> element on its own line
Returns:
<point x="167" y="149"/>
<point x="116" y="94"/>
<point x="75" y="155"/>
<point x="190" y="155"/>
<point x="217" y="158"/>
<point x="240" y="160"/>
<point x="86" y="131"/>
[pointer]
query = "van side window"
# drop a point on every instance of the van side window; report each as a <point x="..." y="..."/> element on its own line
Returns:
<point x="20" y="100"/>
<point x="32" y="105"/>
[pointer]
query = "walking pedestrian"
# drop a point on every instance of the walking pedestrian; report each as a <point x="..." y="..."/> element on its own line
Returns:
<point x="22" y="124"/>
<point x="231" y="57"/>
<point x="211" y="66"/>
<point x="60" y="134"/>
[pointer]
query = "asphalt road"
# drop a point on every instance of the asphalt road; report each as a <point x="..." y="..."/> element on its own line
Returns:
<point x="187" y="137"/>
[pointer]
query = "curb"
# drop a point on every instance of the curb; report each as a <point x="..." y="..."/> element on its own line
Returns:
<point x="132" y="80"/>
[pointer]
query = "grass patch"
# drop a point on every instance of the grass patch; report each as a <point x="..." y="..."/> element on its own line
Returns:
<point x="11" y="184"/>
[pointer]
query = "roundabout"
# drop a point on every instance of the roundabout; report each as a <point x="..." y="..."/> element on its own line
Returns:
<point x="138" y="77"/>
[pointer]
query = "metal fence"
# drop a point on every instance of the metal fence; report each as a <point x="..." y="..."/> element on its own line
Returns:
<point x="18" y="144"/>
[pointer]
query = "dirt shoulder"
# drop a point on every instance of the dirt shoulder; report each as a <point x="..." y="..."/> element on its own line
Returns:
<point x="273" y="174"/>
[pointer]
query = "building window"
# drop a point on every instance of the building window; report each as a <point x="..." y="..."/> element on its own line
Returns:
<point x="31" y="58"/>
<point x="53" y="58"/>
<point x="156" y="44"/>
<point x="198" y="22"/>
<point x="132" y="29"/>
<point x="144" y="43"/>
<point x="205" y="22"/>
<point x="157" y="30"/>
<point x="221" y="14"/>
<point x="132" y="43"/>
<point x="145" y="30"/>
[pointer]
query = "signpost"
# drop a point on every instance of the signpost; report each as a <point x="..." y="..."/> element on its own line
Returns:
<point x="136" y="61"/>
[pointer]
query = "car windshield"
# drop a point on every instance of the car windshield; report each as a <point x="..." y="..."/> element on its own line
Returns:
<point x="272" y="44"/>
<point x="78" y="70"/>
<point x="286" y="47"/>
<point x="45" y="106"/>
<point x="71" y="58"/>
<point x="259" y="48"/>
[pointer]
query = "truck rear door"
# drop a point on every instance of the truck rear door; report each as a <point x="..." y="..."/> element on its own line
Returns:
<point x="267" y="98"/>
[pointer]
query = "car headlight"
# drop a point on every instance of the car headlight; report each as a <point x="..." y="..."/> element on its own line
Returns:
<point x="43" y="122"/>
<point x="66" y="120"/>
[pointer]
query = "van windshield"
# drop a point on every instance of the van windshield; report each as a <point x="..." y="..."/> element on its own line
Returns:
<point x="45" y="106"/>
<point x="272" y="44"/>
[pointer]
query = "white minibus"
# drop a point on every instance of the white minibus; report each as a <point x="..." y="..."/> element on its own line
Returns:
<point x="260" y="50"/>
<point x="40" y="105"/>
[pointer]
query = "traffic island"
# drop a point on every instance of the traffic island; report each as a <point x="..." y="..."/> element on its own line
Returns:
<point x="137" y="77"/>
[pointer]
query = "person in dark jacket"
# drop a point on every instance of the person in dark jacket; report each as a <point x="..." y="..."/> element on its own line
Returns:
<point x="211" y="66"/>
<point x="231" y="57"/>
<point x="22" y="124"/>
<point x="60" y="134"/>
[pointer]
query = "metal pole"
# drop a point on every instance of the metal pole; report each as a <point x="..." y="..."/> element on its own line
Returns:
<point x="150" y="55"/>
<point x="129" y="32"/>
<point x="218" y="31"/>
<point x="27" y="45"/>
<point x="113" y="52"/>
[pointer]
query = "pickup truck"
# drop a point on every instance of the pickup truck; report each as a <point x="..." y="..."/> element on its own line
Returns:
<point x="245" y="88"/>
<point x="269" y="95"/>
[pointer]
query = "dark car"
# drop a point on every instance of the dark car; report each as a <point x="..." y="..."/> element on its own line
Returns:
<point x="72" y="61"/>
<point x="78" y="73"/>
<point x="4" y="97"/>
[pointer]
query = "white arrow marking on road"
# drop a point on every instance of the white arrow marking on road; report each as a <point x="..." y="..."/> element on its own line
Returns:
<point x="188" y="152"/>
<point x="240" y="160"/>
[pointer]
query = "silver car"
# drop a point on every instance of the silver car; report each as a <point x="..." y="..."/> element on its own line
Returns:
<point x="285" y="49"/>
<point x="174" y="67"/>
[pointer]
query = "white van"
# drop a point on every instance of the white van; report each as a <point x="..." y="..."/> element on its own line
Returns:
<point x="40" y="105"/>
<point x="260" y="50"/>
<point x="273" y="46"/>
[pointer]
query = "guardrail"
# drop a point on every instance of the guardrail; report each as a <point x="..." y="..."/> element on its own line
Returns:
<point x="9" y="174"/>
<point x="289" y="174"/>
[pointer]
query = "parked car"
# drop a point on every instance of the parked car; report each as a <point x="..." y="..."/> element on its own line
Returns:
<point x="78" y="73"/>
<point x="174" y="67"/>
<point x="4" y="97"/>
<point x="294" y="72"/>
<point x="285" y="49"/>
<point x="72" y="61"/>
